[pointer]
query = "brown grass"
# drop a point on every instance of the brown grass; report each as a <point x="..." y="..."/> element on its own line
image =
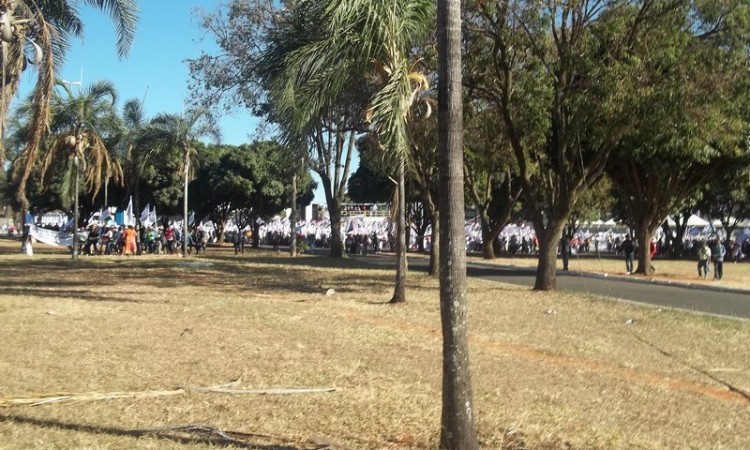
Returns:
<point x="550" y="370"/>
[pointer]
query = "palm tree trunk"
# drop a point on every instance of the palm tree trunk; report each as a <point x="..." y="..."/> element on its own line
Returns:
<point x="399" y="292"/>
<point x="75" y="210"/>
<point x="293" y="219"/>
<point x="457" y="418"/>
<point x="186" y="164"/>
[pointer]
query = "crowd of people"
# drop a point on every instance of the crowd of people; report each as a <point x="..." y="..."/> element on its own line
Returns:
<point x="363" y="236"/>
<point x="113" y="239"/>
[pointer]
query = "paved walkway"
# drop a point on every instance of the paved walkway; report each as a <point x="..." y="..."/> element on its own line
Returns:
<point x="702" y="298"/>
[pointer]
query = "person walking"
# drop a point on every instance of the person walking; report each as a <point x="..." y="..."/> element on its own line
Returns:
<point x="704" y="254"/>
<point x="565" y="250"/>
<point x="129" y="237"/>
<point x="628" y="250"/>
<point x="717" y="255"/>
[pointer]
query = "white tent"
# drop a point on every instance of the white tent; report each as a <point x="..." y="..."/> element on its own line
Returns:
<point x="693" y="221"/>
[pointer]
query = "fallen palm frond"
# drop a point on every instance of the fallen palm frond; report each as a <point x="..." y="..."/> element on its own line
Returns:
<point x="241" y="439"/>
<point x="275" y="391"/>
<point x="229" y="388"/>
<point x="235" y="438"/>
<point x="45" y="399"/>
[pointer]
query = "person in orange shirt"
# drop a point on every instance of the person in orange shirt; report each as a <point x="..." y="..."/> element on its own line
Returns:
<point x="129" y="241"/>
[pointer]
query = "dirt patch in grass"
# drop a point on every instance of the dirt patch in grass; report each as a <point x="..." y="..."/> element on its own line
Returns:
<point x="550" y="370"/>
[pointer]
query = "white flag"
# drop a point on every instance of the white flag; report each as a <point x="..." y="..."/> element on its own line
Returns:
<point x="129" y="218"/>
<point x="145" y="213"/>
<point x="104" y="215"/>
<point x="68" y="225"/>
<point x="152" y="216"/>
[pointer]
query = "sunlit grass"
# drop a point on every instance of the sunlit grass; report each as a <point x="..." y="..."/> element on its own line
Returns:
<point x="550" y="370"/>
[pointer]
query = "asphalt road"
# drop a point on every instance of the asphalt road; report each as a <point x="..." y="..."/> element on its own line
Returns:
<point x="703" y="299"/>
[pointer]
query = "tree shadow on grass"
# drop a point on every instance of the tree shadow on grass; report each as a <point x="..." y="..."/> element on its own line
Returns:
<point x="72" y="294"/>
<point x="90" y="279"/>
<point x="270" y="273"/>
<point x="187" y="435"/>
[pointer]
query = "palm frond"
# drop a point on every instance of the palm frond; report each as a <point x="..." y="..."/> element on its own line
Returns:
<point x="40" y="119"/>
<point x="124" y="13"/>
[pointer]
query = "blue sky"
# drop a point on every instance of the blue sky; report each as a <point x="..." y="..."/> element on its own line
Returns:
<point x="167" y="34"/>
<point x="155" y="70"/>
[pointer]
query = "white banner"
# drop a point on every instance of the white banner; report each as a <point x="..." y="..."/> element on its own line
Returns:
<point x="51" y="237"/>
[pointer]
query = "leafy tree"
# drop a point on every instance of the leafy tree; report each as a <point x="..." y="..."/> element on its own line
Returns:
<point x="693" y="100"/>
<point x="491" y="183"/>
<point x="231" y="75"/>
<point x="726" y="196"/>
<point x="366" y="185"/>
<point x="423" y="173"/>
<point x="247" y="182"/>
<point x="272" y="169"/>
<point x="161" y="182"/>
<point x="208" y="193"/>
<point x="595" y="202"/>
<point x="558" y="74"/>
<point x="39" y="32"/>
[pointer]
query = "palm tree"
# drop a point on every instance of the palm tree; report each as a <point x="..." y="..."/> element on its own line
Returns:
<point x="359" y="36"/>
<point x="457" y="419"/>
<point x="79" y="126"/>
<point x="168" y="132"/>
<point x="136" y="155"/>
<point x="39" y="32"/>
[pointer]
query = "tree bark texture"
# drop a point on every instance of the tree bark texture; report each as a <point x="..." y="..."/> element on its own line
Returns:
<point x="546" y="271"/>
<point x="434" y="269"/>
<point x="75" y="210"/>
<point x="186" y="175"/>
<point x="457" y="418"/>
<point x="293" y="219"/>
<point x="488" y="249"/>
<point x="399" y="291"/>
<point x="644" y="234"/>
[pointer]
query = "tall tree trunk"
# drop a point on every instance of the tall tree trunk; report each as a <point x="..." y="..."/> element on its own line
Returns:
<point x="457" y="418"/>
<point x="186" y="164"/>
<point x="256" y="234"/>
<point x="488" y="250"/>
<point x="293" y="219"/>
<point x="644" y="233"/>
<point x="546" y="270"/>
<point x="77" y="164"/>
<point x="337" y="243"/>
<point x="334" y="215"/>
<point x="434" y="268"/>
<point x="549" y="235"/>
<point x="137" y="212"/>
<point x="399" y="292"/>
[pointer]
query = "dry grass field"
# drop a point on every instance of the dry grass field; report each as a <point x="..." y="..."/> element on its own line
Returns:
<point x="551" y="370"/>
